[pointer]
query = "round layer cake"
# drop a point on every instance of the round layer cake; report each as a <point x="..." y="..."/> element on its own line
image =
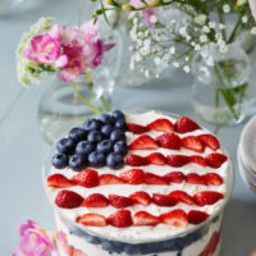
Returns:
<point x="138" y="178"/>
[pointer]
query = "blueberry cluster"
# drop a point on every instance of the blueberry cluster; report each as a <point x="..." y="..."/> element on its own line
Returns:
<point x="101" y="141"/>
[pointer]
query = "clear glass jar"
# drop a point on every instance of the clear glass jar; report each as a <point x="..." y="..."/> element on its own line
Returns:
<point x="203" y="239"/>
<point x="220" y="86"/>
<point x="61" y="108"/>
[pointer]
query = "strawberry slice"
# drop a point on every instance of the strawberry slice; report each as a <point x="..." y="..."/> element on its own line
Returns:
<point x="199" y="160"/>
<point x="193" y="143"/>
<point x="163" y="200"/>
<point x="59" y="181"/>
<point x="136" y="128"/>
<point x="153" y="179"/>
<point x="182" y="196"/>
<point x="169" y="140"/>
<point x="92" y="219"/>
<point x="184" y="125"/>
<point x="194" y="178"/>
<point x="121" y="219"/>
<point x="175" y="177"/>
<point x="215" y="160"/>
<point x="196" y="217"/>
<point x="109" y="179"/>
<point x="207" y="197"/>
<point x="212" y="179"/>
<point x="95" y="200"/>
<point x="212" y="245"/>
<point x="135" y="160"/>
<point x="133" y="176"/>
<point x="144" y="142"/>
<point x="176" y="218"/>
<point x="210" y="141"/>
<point x="120" y="201"/>
<point x="161" y="125"/>
<point x="177" y="160"/>
<point x="156" y="158"/>
<point x="143" y="218"/>
<point x="87" y="178"/>
<point x="68" y="199"/>
<point x="141" y="197"/>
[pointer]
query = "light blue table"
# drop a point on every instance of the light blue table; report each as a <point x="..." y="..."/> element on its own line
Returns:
<point x="22" y="150"/>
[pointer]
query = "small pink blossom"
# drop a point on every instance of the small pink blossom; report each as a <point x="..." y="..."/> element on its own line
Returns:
<point x="253" y="8"/>
<point x="34" y="241"/>
<point x="148" y="13"/>
<point x="44" y="50"/>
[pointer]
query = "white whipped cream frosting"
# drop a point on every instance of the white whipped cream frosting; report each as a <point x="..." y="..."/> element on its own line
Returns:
<point x="145" y="233"/>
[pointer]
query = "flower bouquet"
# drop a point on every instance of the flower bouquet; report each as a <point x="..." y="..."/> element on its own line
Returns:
<point x="74" y="55"/>
<point x="198" y="36"/>
<point x="69" y="52"/>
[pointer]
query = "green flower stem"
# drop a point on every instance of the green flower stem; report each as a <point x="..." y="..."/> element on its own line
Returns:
<point x="85" y="101"/>
<point x="235" y="30"/>
<point x="105" y="105"/>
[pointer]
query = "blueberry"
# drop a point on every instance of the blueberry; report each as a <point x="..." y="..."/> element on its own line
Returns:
<point x="120" y="147"/>
<point x="96" y="159"/>
<point x="77" y="162"/>
<point x="65" y="145"/>
<point x="131" y="249"/>
<point x="92" y="239"/>
<point x="117" y="134"/>
<point x="107" y="246"/>
<point x="105" y="146"/>
<point x="121" y="124"/>
<point x="94" y="136"/>
<point x="60" y="161"/>
<point x="118" y="115"/>
<point x="115" y="161"/>
<point x="77" y="134"/>
<point x="107" y="129"/>
<point x="105" y="118"/>
<point x="92" y="124"/>
<point x="84" y="147"/>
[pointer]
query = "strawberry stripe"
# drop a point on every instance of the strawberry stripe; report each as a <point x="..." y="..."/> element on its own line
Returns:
<point x="202" y="139"/>
<point x="212" y="160"/>
<point x="209" y="179"/>
<point x="168" y="218"/>
<point x="166" y="200"/>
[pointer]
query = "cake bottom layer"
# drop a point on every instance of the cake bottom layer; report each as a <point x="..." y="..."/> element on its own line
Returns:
<point x="71" y="241"/>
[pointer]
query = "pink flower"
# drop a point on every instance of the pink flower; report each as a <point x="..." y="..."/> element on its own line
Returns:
<point x="253" y="8"/>
<point x="34" y="241"/>
<point x="83" y="48"/>
<point x="148" y="13"/>
<point x="45" y="49"/>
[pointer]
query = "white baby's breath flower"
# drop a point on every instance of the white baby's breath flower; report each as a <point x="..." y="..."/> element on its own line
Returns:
<point x="222" y="26"/>
<point x="206" y="29"/>
<point x="253" y="31"/>
<point x="172" y="50"/>
<point x="200" y="19"/>
<point x="203" y="38"/>
<point x="212" y="24"/>
<point x="244" y="19"/>
<point x="157" y="61"/>
<point x="176" y="64"/>
<point x="226" y="8"/>
<point x="186" y="69"/>
<point x="27" y="71"/>
<point x="197" y="47"/>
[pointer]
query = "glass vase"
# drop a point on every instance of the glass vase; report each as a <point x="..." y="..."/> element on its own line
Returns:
<point x="63" y="106"/>
<point x="221" y="84"/>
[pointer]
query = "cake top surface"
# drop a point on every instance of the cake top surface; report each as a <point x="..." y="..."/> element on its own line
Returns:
<point x="138" y="177"/>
